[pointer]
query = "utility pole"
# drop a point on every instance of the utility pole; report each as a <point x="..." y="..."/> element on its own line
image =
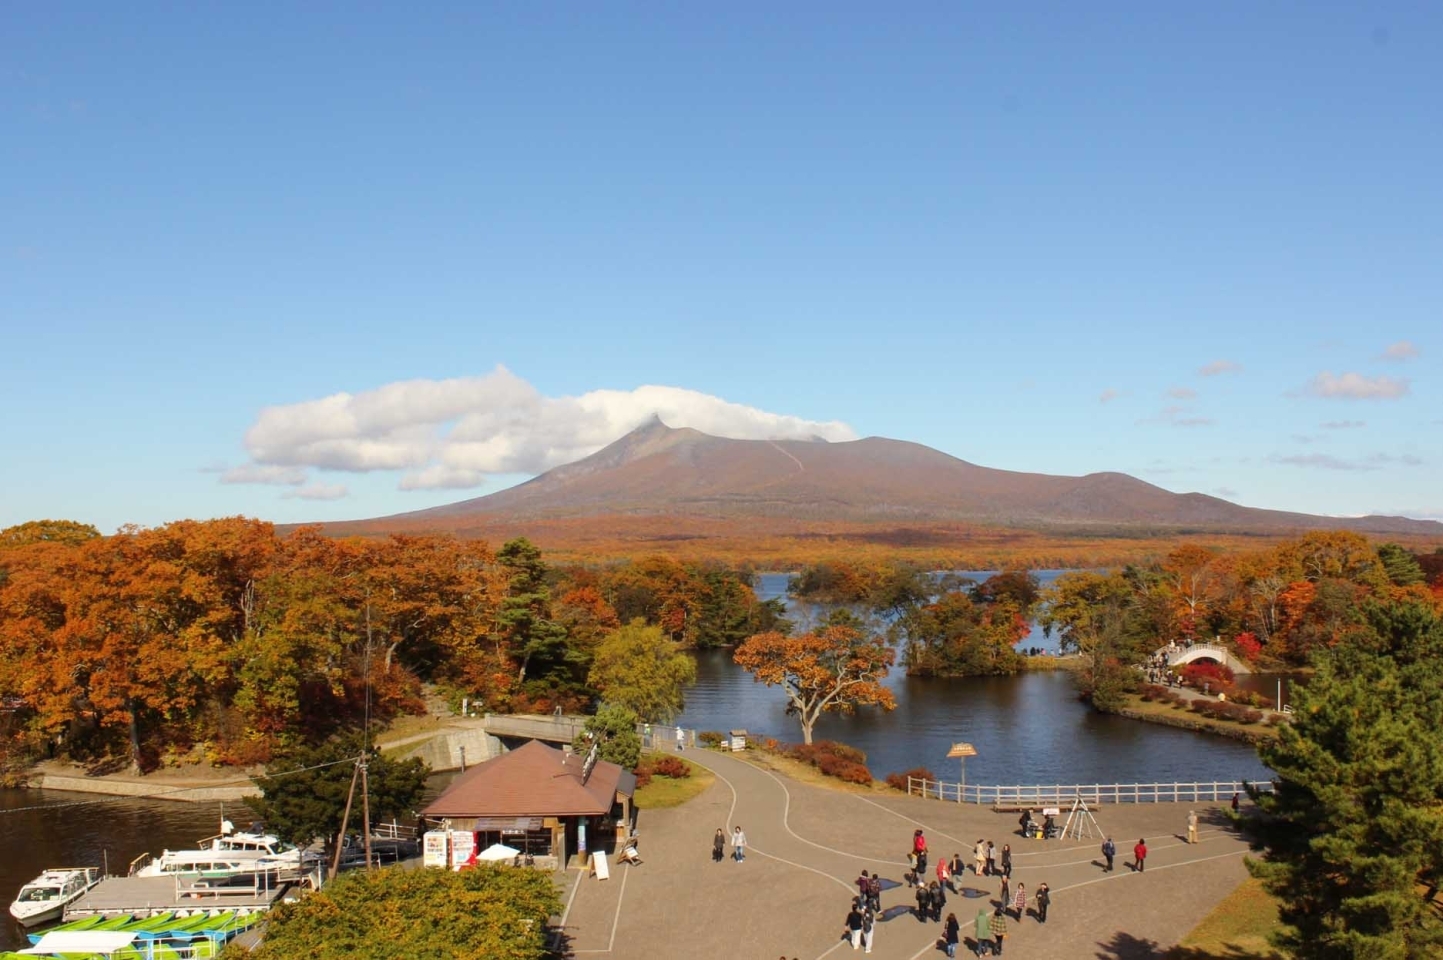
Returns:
<point x="366" y="812"/>
<point x="345" y="819"/>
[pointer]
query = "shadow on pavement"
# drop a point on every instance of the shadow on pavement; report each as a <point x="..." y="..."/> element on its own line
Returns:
<point x="1124" y="946"/>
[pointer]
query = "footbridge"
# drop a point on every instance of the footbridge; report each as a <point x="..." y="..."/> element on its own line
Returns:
<point x="1180" y="656"/>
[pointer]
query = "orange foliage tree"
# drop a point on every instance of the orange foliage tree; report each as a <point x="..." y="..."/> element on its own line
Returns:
<point x="835" y="669"/>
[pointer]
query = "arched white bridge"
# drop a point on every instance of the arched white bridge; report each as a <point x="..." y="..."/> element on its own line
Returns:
<point x="1181" y="655"/>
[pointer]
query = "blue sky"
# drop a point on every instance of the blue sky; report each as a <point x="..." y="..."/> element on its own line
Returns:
<point x="1018" y="235"/>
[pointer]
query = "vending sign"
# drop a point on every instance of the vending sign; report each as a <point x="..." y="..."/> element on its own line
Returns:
<point x="463" y="844"/>
<point x="434" y="849"/>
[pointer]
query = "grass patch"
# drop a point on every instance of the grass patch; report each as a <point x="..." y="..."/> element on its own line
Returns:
<point x="1044" y="662"/>
<point x="1167" y="714"/>
<point x="666" y="792"/>
<point x="1237" y="928"/>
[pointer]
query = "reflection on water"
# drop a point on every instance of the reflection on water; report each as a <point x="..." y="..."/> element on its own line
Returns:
<point x="1027" y="729"/>
<point x="45" y="828"/>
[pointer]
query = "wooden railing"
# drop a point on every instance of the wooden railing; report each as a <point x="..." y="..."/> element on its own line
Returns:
<point x="1062" y="794"/>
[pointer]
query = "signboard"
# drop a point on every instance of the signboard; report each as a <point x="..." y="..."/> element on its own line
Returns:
<point x="433" y="852"/>
<point x="463" y="844"/>
<point x="599" y="866"/>
<point x="962" y="750"/>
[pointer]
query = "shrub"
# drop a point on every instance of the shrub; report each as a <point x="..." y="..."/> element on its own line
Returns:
<point x="1152" y="691"/>
<point x="643" y="777"/>
<point x="1252" y="716"/>
<point x="1200" y="672"/>
<point x="711" y="738"/>
<point x="1248" y="645"/>
<point x="898" y="781"/>
<point x="833" y="760"/>
<point x="673" y="767"/>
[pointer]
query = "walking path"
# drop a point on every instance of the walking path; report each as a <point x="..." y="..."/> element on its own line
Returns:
<point x="807" y="845"/>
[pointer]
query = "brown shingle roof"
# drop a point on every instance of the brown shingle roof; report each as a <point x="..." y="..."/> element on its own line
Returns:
<point x="532" y="780"/>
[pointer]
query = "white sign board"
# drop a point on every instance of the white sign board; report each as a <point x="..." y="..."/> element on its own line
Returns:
<point x="434" y="850"/>
<point x="463" y="844"/>
<point x="599" y="866"/>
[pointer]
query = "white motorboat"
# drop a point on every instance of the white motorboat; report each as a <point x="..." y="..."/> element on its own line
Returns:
<point x="46" y="897"/>
<point x="228" y="854"/>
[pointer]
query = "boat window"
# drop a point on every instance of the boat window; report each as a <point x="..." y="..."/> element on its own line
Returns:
<point x="37" y="894"/>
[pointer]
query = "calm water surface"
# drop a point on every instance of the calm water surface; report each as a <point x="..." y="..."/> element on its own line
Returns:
<point x="1027" y="729"/>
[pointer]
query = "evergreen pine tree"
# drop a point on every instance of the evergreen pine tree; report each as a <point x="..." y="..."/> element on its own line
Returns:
<point x="1353" y="836"/>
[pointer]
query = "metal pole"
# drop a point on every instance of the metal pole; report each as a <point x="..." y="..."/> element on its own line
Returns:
<point x="366" y="813"/>
<point x="1280" y="695"/>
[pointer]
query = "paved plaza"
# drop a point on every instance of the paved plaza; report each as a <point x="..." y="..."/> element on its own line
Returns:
<point x="807" y="845"/>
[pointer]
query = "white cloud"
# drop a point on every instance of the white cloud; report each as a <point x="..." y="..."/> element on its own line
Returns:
<point x="1343" y="425"/>
<point x="1107" y="396"/>
<point x="1175" y="416"/>
<point x="1400" y="351"/>
<point x="1355" y="386"/>
<point x="318" y="491"/>
<point x="1219" y="366"/>
<point x="1324" y="461"/>
<point x="1182" y="393"/>
<point x="454" y="433"/>
<point x="265" y="473"/>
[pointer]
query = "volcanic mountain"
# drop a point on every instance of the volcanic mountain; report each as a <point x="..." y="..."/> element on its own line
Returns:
<point x="659" y="472"/>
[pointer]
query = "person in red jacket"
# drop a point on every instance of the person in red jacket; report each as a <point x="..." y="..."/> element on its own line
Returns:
<point x="1140" y="852"/>
<point x="919" y="847"/>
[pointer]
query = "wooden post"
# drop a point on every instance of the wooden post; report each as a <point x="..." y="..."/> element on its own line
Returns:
<point x="345" y="819"/>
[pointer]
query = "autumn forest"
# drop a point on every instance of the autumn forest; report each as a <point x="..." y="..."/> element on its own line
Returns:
<point x="224" y="641"/>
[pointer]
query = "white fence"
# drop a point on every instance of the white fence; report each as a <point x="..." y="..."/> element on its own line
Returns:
<point x="1060" y="794"/>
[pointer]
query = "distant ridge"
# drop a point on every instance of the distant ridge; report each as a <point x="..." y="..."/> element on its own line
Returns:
<point x="656" y="471"/>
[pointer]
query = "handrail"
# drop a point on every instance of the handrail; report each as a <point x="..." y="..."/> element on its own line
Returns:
<point x="1064" y="793"/>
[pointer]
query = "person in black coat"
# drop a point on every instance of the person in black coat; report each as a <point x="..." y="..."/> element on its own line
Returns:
<point x="718" y="846"/>
<point x="924" y="902"/>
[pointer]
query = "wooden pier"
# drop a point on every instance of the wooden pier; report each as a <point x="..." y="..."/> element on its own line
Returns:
<point x="152" y="896"/>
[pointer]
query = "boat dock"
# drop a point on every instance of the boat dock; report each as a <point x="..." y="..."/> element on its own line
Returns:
<point x="152" y="896"/>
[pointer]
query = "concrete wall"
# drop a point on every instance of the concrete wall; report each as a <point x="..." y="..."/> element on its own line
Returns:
<point x="451" y="748"/>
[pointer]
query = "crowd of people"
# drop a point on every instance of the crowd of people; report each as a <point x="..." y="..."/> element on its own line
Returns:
<point x="991" y="922"/>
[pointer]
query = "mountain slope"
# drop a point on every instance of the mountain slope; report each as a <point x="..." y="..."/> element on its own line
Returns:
<point x="657" y="471"/>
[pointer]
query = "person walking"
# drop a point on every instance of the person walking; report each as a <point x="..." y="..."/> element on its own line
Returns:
<point x="854" y="924"/>
<point x="869" y="929"/>
<point x="739" y="844"/>
<point x="919" y="846"/>
<point x="1019" y="900"/>
<point x="983" y="931"/>
<point x="944" y="872"/>
<point x="718" y="846"/>
<point x="958" y="867"/>
<point x="1006" y="896"/>
<point x="911" y="875"/>
<point x="999" y="930"/>
<point x="991" y="858"/>
<point x="979" y="857"/>
<point x="951" y="934"/>
<point x="863" y="882"/>
<point x="1109" y="850"/>
<point x="924" y="903"/>
<point x="1044" y="900"/>
<point x="1235" y="803"/>
<point x="1007" y="860"/>
<point x="874" y="893"/>
<point x="1139" y="852"/>
<point x="680" y="739"/>
<point x="936" y="900"/>
<point x="1192" y="826"/>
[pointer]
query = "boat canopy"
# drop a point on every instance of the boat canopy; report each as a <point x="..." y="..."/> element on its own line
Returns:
<point x="82" y="942"/>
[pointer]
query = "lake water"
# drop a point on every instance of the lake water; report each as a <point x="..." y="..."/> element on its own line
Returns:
<point x="1028" y="729"/>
